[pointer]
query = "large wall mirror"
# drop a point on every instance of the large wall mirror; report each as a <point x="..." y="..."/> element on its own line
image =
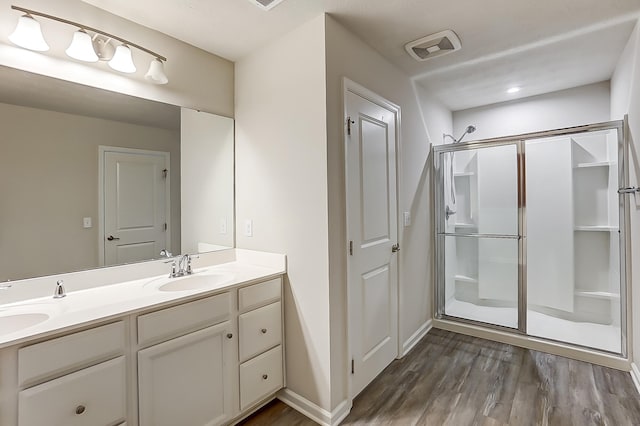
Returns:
<point x="92" y="178"/>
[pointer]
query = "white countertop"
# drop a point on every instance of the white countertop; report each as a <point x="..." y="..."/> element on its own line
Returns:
<point x="85" y="307"/>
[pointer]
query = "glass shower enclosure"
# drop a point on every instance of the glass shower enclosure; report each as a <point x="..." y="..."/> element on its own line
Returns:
<point x="530" y="235"/>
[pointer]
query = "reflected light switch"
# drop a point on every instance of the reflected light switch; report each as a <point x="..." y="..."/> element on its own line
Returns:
<point x="407" y="218"/>
<point x="86" y="222"/>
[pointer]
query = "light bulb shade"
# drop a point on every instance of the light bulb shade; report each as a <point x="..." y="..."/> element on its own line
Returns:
<point x="156" y="72"/>
<point x="81" y="47"/>
<point x="28" y="34"/>
<point x="122" y="60"/>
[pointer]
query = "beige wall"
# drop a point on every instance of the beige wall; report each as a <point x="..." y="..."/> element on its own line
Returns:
<point x="49" y="182"/>
<point x="197" y="79"/>
<point x="281" y="175"/>
<point x="625" y="99"/>
<point x="348" y="56"/>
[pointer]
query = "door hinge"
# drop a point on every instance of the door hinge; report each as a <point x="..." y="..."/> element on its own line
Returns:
<point x="166" y="226"/>
<point x="349" y="123"/>
<point x="353" y="366"/>
<point x="165" y="173"/>
<point x="351" y="248"/>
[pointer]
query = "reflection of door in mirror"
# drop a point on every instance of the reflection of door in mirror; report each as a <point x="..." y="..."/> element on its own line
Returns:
<point x="135" y="198"/>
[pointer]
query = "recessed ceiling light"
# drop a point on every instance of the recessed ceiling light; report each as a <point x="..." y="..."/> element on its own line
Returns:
<point x="514" y="89"/>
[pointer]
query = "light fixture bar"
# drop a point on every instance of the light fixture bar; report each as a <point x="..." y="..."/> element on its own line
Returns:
<point x="87" y="28"/>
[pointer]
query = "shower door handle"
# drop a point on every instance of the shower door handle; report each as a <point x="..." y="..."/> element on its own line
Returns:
<point x="629" y="190"/>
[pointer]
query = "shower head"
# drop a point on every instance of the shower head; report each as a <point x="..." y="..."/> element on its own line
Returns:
<point x="469" y="129"/>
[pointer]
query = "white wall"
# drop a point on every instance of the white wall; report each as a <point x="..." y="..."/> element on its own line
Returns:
<point x="206" y="149"/>
<point x="348" y="56"/>
<point x="281" y="185"/>
<point x="50" y="159"/>
<point x="197" y="79"/>
<point x="625" y="99"/>
<point x="566" y="108"/>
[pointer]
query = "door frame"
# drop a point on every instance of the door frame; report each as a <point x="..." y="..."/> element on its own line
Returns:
<point x="359" y="90"/>
<point x="102" y="150"/>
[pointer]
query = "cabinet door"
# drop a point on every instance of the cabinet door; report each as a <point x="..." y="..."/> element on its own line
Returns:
<point x="189" y="381"/>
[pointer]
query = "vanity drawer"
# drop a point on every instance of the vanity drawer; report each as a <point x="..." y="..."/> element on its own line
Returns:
<point x="260" y="377"/>
<point x="65" y="354"/>
<point x="93" y="396"/>
<point x="179" y="320"/>
<point x="256" y="295"/>
<point x="260" y="329"/>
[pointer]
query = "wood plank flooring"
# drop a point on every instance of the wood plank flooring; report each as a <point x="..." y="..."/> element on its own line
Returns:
<point x="457" y="380"/>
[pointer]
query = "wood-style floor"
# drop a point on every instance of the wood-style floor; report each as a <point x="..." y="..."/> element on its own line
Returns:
<point x="452" y="379"/>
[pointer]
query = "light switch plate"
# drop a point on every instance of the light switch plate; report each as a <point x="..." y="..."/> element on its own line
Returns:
<point x="407" y="218"/>
<point x="86" y="222"/>
<point x="223" y="225"/>
<point x="248" y="228"/>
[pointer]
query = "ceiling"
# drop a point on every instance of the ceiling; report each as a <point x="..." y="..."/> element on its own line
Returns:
<point x="541" y="45"/>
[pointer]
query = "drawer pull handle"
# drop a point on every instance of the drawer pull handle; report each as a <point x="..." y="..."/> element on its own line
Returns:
<point x="264" y="331"/>
<point x="229" y="335"/>
<point x="265" y="377"/>
<point x="80" y="409"/>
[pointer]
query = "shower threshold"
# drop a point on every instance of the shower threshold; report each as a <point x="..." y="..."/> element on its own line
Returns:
<point x="596" y="336"/>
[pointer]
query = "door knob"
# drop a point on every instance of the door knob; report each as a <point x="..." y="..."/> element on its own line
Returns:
<point x="112" y="238"/>
<point x="395" y="248"/>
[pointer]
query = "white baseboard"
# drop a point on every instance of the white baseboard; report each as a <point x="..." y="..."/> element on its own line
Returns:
<point x="416" y="337"/>
<point x="635" y="375"/>
<point x="313" y="411"/>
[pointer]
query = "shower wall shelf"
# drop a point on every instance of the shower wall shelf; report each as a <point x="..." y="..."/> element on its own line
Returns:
<point x="594" y="164"/>
<point x="597" y="294"/>
<point x="465" y="279"/>
<point x="463" y="174"/>
<point x="597" y="228"/>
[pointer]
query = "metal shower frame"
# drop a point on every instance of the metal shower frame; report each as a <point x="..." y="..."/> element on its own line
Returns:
<point x="621" y="126"/>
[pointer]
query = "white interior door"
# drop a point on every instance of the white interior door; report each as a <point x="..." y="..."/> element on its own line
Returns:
<point x="372" y="229"/>
<point x="135" y="203"/>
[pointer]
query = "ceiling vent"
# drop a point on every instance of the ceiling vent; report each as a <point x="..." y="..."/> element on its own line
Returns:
<point x="433" y="45"/>
<point x="266" y="4"/>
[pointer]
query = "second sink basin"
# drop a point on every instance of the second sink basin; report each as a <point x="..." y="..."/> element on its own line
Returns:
<point x="195" y="282"/>
<point x="10" y="323"/>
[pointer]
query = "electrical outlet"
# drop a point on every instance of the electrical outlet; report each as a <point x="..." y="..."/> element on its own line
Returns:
<point x="248" y="228"/>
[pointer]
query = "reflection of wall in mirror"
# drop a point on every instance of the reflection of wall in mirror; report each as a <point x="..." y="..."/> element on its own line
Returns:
<point x="49" y="182"/>
<point x="207" y="182"/>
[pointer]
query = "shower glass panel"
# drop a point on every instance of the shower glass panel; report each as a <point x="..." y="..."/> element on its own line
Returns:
<point x="573" y="239"/>
<point x="479" y="230"/>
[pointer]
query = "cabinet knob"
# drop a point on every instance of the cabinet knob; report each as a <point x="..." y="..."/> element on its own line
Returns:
<point x="229" y="335"/>
<point x="265" y="377"/>
<point x="80" y="409"/>
<point x="264" y="331"/>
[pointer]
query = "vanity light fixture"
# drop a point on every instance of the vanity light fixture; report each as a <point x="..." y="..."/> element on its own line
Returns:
<point x="87" y="47"/>
<point x="28" y="34"/>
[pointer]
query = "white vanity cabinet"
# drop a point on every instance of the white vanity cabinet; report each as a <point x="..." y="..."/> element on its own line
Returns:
<point x="75" y="380"/>
<point x="188" y="380"/>
<point x="260" y="341"/>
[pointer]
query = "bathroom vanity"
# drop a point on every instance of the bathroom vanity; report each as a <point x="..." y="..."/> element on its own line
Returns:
<point x="202" y="349"/>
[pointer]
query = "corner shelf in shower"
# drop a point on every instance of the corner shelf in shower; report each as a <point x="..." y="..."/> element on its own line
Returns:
<point x="465" y="279"/>
<point x="596" y="228"/>
<point x="465" y="225"/>
<point x="597" y="294"/>
<point x="463" y="174"/>
<point x="594" y="164"/>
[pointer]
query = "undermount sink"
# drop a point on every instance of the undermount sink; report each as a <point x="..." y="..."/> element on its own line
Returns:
<point x="195" y="282"/>
<point x="12" y="323"/>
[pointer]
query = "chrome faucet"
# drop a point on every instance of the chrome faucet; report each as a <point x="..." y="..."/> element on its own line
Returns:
<point x="182" y="266"/>
<point x="59" y="292"/>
